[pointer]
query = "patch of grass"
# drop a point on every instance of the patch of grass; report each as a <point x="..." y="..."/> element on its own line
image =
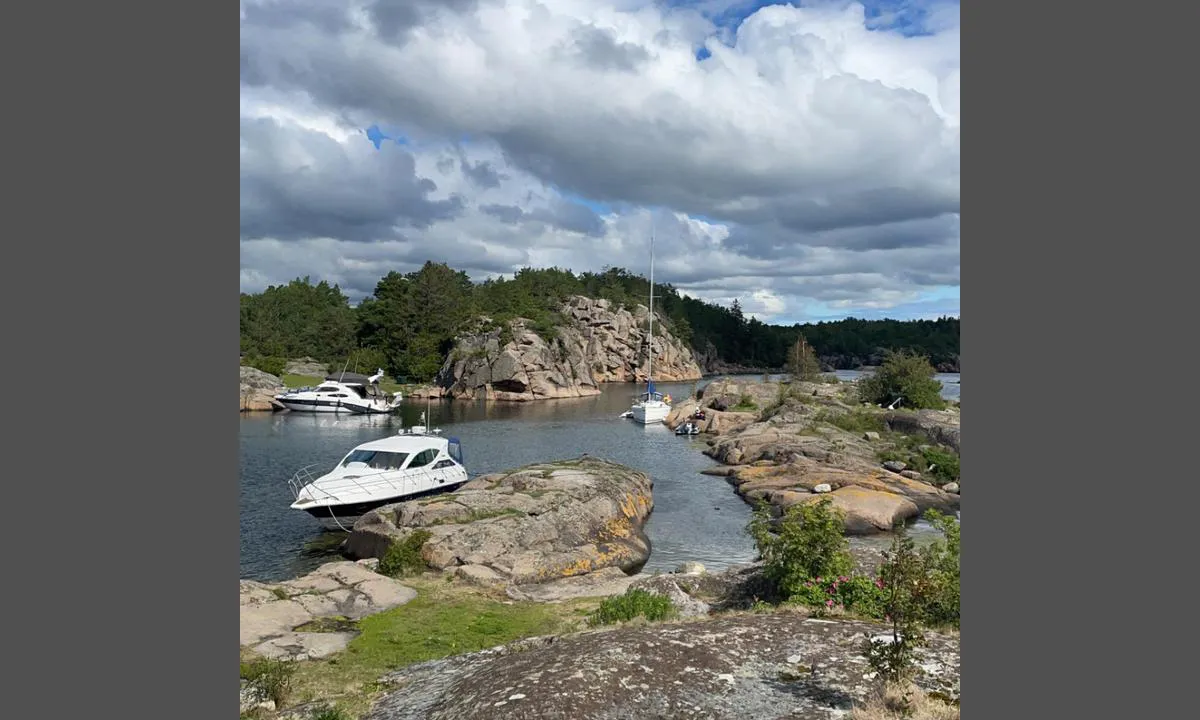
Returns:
<point x="479" y="515"/>
<point x="404" y="557"/>
<point x="745" y="404"/>
<point x="442" y="620"/>
<point x="636" y="602"/>
<point x="270" y="679"/>
<point x="858" y="420"/>
<point x="298" y="381"/>
<point x="895" y="701"/>
<point x="535" y="493"/>
<point x="920" y="457"/>
<point x="331" y="712"/>
<point x="279" y="593"/>
<point x="391" y="386"/>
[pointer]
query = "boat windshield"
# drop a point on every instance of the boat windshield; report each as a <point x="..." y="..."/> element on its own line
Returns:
<point x="376" y="459"/>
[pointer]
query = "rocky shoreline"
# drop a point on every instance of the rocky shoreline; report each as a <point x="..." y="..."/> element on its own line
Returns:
<point x="573" y="530"/>
<point x="787" y="443"/>
<point x="716" y="659"/>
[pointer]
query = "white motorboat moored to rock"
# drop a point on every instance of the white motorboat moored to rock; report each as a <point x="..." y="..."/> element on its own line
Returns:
<point x="412" y="464"/>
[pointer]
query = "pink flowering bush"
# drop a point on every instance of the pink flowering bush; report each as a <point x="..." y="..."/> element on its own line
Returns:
<point x="809" y="542"/>
<point x="857" y="593"/>
<point x="807" y="558"/>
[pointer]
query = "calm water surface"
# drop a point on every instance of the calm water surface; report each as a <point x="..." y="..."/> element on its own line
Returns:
<point x="695" y="517"/>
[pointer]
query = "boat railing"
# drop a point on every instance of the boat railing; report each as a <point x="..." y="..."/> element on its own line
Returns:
<point x="300" y="478"/>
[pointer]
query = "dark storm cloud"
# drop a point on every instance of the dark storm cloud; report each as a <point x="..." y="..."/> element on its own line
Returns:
<point x="482" y="173"/>
<point x="297" y="183"/>
<point x="872" y="207"/>
<point x="772" y="240"/>
<point x="510" y="214"/>
<point x="562" y="214"/>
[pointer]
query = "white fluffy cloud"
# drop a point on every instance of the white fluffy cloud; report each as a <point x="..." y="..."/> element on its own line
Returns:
<point x="808" y="165"/>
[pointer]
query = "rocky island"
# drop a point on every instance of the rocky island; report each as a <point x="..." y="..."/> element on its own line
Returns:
<point x="785" y="443"/>
<point x="597" y="343"/>
<point x="532" y="524"/>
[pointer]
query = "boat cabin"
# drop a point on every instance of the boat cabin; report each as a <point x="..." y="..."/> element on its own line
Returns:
<point x="403" y="452"/>
<point x="358" y="383"/>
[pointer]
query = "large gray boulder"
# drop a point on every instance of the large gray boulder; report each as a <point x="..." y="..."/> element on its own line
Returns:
<point x="258" y="389"/>
<point x="529" y="525"/>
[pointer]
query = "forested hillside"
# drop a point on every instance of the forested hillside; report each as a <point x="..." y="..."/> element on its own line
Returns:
<point x="408" y="325"/>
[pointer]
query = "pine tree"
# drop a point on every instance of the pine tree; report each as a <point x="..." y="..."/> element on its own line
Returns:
<point x="802" y="361"/>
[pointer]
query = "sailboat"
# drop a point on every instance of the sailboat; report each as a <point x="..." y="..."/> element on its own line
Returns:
<point x="651" y="406"/>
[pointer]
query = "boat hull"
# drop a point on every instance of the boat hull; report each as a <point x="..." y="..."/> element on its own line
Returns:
<point x="312" y="406"/>
<point x="650" y="413"/>
<point x="333" y="406"/>
<point x="342" y="517"/>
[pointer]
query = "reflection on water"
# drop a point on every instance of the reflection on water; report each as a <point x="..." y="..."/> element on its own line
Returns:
<point x="695" y="517"/>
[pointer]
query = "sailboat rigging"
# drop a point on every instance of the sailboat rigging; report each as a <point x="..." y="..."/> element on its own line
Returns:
<point x="651" y="406"/>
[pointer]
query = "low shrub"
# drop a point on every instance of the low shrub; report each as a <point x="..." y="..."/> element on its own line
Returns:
<point x="938" y="465"/>
<point x="903" y="375"/>
<point x="942" y="565"/>
<point x="856" y="421"/>
<point x="331" y="712"/>
<point x="855" y="593"/>
<point x="745" y="404"/>
<point x="904" y="592"/>
<point x="636" y="602"/>
<point x="270" y="365"/>
<point x="404" y="557"/>
<point x="809" y="543"/>
<point x="269" y="679"/>
<point x="906" y="701"/>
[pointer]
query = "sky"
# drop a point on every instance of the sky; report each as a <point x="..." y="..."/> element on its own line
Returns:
<point x="802" y="158"/>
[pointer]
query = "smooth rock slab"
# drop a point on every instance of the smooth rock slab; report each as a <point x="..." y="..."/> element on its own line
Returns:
<point x="868" y="511"/>
<point x="602" y="583"/>
<point x="304" y="645"/>
<point x="728" y="667"/>
<point x="480" y="575"/>
<point x="259" y="622"/>
<point x="347" y="589"/>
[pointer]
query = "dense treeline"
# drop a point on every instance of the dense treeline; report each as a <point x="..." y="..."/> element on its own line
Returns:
<point x="407" y="326"/>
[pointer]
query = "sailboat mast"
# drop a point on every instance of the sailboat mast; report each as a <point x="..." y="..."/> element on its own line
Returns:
<point x="650" y="342"/>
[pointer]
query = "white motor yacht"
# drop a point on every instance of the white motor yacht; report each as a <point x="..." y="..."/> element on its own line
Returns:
<point x="342" y="393"/>
<point x="411" y="464"/>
